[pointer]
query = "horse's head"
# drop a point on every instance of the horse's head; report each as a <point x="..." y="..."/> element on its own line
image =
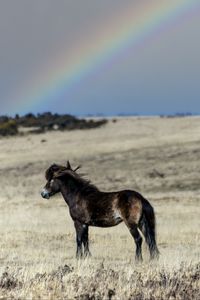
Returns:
<point x="54" y="175"/>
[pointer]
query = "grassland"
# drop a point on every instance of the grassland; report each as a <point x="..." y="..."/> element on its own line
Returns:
<point x="159" y="157"/>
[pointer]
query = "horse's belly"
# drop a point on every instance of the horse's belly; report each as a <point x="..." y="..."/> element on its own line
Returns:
<point x="111" y="218"/>
<point x="105" y="222"/>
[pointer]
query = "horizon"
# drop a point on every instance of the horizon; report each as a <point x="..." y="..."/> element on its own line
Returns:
<point x="120" y="114"/>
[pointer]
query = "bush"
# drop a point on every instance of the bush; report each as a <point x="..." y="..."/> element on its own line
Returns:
<point x="8" y="128"/>
<point x="48" y="121"/>
<point x="45" y="122"/>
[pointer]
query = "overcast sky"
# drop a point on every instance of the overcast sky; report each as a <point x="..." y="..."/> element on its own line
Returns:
<point x="161" y="77"/>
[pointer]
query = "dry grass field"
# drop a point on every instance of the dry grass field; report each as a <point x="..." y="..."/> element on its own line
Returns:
<point x="159" y="157"/>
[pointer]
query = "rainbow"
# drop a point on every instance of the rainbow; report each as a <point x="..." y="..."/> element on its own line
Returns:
<point x="126" y="31"/>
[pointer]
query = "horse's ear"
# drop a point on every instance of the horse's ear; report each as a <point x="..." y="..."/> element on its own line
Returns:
<point x="68" y="165"/>
<point x="77" y="168"/>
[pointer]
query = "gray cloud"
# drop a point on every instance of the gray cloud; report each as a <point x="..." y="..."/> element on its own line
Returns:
<point x="163" y="76"/>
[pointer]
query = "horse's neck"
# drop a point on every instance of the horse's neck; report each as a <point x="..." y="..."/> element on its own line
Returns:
<point x="68" y="194"/>
<point x="72" y="190"/>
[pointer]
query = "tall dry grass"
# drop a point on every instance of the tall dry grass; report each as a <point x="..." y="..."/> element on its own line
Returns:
<point x="37" y="253"/>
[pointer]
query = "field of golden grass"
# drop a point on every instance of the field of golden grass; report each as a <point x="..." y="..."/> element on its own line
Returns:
<point x="159" y="157"/>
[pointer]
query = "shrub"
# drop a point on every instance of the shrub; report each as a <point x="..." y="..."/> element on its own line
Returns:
<point x="8" y="128"/>
<point x="45" y="122"/>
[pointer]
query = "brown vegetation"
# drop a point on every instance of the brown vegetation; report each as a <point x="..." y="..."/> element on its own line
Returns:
<point x="106" y="283"/>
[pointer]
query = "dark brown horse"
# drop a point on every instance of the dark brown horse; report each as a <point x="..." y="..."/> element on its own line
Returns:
<point x="90" y="207"/>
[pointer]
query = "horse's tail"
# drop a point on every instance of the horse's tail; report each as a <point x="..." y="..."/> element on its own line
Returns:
<point x="147" y="225"/>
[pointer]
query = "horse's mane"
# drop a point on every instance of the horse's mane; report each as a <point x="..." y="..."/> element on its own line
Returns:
<point x="49" y="174"/>
<point x="83" y="185"/>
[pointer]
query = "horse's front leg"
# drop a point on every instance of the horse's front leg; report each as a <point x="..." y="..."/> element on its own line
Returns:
<point x="79" y="238"/>
<point x="86" y="241"/>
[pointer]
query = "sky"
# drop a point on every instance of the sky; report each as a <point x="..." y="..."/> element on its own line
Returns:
<point x="100" y="57"/>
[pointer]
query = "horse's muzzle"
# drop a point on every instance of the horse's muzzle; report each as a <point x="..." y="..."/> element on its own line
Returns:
<point x="45" y="194"/>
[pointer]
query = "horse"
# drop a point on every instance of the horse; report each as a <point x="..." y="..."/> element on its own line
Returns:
<point x="88" y="206"/>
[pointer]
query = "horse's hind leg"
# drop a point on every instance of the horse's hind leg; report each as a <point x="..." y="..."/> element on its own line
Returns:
<point x="148" y="230"/>
<point x="138" y="240"/>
